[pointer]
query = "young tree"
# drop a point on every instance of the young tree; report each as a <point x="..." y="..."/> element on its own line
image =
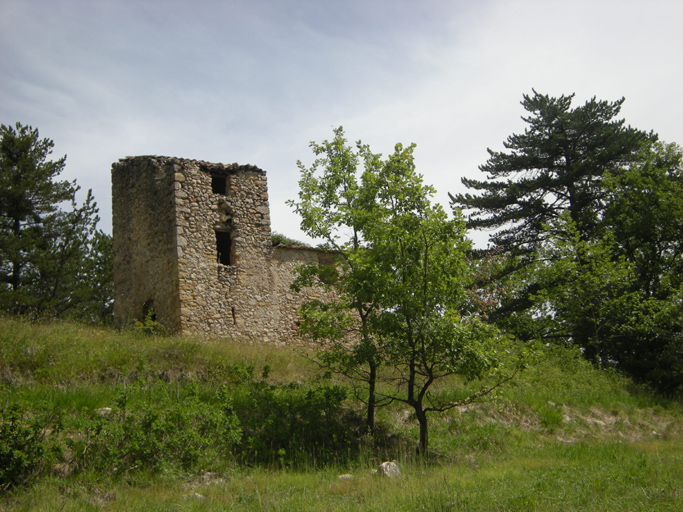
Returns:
<point x="42" y="246"/>
<point x="402" y="281"/>
<point x="428" y="325"/>
<point x="334" y="208"/>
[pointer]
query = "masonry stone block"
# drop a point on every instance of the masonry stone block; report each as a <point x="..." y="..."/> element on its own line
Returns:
<point x="238" y="282"/>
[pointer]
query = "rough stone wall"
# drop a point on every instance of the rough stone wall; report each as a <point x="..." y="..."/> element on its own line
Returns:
<point x="175" y="212"/>
<point x="145" y="258"/>
<point x="282" y="263"/>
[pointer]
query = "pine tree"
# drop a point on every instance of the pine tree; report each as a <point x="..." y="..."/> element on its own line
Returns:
<point x="557" y="165"/>
<point x="588" y="214"/>
<point x="42" y="245"/>
<point x="552" y="172"/>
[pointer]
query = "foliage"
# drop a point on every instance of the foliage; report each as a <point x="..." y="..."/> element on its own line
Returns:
<point x="553" y="172"/>
<point x="649" y="341"/>
<point x="557" y="165"/>
<point x="149" y="326"/>
<point x="47" y="254"/>
<point x="156" y="435"/>
<point x="590" y="219"/>
<point x="334" y="208"/>
<point x="620" y="294"/>
<point x="280" y="239"/>
<point x="401" y="281"/>
<point x="93" y="297"/>
<point x="603" y="443"/>
<point x="24" y="449"/>
<point x="169" y="405"/>
<point x="295" y="425"/>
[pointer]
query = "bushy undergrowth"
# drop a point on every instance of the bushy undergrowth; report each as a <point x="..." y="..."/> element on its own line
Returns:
<point x="91" y="404"/>
<point x="151" y="430"/>
<point x="26" y="445"/>
<point x="156" y="426"/>
<point x="296" y="425"/>
<point x="130" y="403"/>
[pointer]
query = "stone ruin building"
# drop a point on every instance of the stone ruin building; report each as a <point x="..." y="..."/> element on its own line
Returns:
<point x="192" y="244"/>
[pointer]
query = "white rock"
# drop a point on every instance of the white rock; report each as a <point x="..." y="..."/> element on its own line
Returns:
<point x="389" y="469"/>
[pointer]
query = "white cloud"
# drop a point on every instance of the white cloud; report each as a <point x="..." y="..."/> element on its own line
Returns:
<point x="255" y="81"/>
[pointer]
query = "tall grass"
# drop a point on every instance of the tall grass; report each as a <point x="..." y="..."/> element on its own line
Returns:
<point x="562" y="436"/>
<point x="61" y="353"/>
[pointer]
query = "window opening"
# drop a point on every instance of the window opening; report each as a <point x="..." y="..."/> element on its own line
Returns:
<point x="148" y="309"/>
<point x="218" y="184"/>
<point x="224" y="248"/>
<point x="234" y="317"/>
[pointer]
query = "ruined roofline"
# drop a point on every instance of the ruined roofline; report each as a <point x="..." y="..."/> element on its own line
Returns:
<point x="300" y="247"/>
<point x="192" y="242"/>
<point x="209" y="167"/>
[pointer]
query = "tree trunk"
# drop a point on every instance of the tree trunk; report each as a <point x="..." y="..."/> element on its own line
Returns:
<point x="372" y="380"/>
<point x="424" y="432"/>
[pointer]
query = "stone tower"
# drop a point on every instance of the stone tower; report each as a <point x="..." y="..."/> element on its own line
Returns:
<point x="192" y="243"/>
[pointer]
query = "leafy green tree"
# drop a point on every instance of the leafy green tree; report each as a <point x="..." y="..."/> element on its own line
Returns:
<point x="600" y="288"/>
<point x="428" y="325"/>
<point x="402" y="281"/>
<point x="552" y="173"/>
<point x="584" y="290"/>
<point x="589" y="220"/>
<point x="93" y="287"/>
<point x="43" y="247"/>
<point x="334" y="208"/>
<point x="645" y="218"/>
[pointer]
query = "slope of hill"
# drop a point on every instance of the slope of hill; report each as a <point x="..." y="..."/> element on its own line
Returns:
<point x="95" y="419"/>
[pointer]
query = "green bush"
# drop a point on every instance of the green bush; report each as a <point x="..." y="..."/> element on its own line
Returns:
<point x="25" y="449"/>
<point x="145" y="437"/>
<point x="149" y="326"/>
<point x="295" y="424"/>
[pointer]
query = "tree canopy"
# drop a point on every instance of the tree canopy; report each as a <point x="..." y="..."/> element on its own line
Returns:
<point x="588" y="218"/>
<point x="557" y="165"/>
<point x="49" y="245"/>
<point x="402" y="311"/>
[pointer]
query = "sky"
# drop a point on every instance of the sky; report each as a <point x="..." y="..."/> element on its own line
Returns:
<point x="254" y="81"/>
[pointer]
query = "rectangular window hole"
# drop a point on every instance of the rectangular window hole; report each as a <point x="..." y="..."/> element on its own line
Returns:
<point x="224" y="248"/>
<point x="219" y="184"/>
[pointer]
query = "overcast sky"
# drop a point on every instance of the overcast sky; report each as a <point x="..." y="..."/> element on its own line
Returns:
<point x="254" y="81"/>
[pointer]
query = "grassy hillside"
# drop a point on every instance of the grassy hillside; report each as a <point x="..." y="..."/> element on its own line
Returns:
<point x="93" y="419"/>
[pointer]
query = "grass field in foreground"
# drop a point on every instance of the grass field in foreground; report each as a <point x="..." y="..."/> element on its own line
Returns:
<point x="563" y="436"/>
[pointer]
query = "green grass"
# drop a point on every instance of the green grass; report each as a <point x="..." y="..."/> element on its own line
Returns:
<point x="581" y="477"/>
<point x="562" y="436"/>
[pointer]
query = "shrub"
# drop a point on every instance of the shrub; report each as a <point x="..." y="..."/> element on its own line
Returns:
<point x="151" y="437"/>
<point x="295" y="424"/>
<point x="24" y="446"/>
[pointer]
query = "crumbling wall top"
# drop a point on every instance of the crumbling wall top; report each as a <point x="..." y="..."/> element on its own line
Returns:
<point x="208" y="167"/>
